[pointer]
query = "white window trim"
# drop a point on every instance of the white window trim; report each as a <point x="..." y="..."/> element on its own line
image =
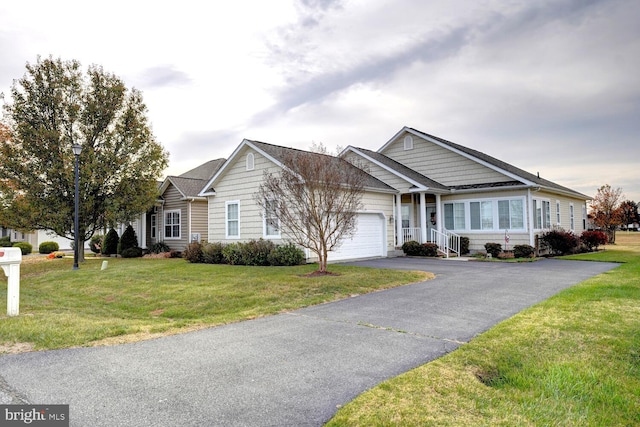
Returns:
<point x="265" y="228"/>
<point x="558" y="216"/>
<point x="537" y="200"/>
<point x="495" y="212"/>
<point x="153" y="226"/>
<point x="226" y="219"/>
<point x="572" y="217"/>
<point x="164" y="224"/>
<point x="250" y="162"/>
<point x="408" y="142"/>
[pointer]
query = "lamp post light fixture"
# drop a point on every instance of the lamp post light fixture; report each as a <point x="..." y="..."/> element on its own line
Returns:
<point x="77" y="149"/>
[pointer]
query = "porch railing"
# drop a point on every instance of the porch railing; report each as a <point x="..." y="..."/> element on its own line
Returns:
<point x="412" y="233"/>
<point x="447" y="241"/>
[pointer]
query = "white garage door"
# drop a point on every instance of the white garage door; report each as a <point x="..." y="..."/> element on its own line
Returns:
<point x="367" y="242"/>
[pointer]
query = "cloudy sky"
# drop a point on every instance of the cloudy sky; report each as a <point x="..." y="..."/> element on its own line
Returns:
<point x="548" y="86"/>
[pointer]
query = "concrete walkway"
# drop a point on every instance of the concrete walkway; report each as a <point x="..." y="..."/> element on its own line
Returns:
<point x="293" y="369"/>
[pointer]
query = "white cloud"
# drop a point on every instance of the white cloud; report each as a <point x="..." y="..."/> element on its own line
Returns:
<point x="549" y="86"/>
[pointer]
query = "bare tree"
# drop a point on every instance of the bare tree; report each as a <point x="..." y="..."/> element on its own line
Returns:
<point x="313" y="199"/>
<point x="606" y="211"/>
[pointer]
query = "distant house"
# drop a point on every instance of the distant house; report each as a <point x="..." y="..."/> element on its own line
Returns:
<point x="179" y="216"/>
<point x="422" y="188"/>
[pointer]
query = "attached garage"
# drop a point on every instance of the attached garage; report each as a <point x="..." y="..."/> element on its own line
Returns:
<point x="369" y="240"/>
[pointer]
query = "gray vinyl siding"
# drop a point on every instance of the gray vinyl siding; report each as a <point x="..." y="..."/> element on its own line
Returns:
<point x="173" y="201"/>
<point x="441" y="164"/>
<point x="199" y="211"/>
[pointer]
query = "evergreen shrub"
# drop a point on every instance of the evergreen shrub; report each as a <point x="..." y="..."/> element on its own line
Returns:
<point x="110" y="245"/>
<point x="48" y="247"/>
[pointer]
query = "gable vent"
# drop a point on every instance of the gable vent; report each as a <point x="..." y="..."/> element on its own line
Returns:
<point x="408" y="142"/>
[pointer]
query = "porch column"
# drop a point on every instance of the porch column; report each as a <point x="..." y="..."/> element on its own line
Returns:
<point x="439" y="215"/>
<point x="423" y="218"/>
<point x="399" y="239"/>
<point x="143" y="230"/>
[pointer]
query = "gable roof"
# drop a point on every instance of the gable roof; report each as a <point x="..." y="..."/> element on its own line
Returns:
<point x="518" y="175"/>
<point x="277" y="154"/>
<point x="417" y="179"/>
<point x="190" y="183"/>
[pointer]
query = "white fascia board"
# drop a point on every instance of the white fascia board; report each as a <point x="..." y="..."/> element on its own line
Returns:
<point x="419" y="186"/>
<point x="473" y="158"/>
<point x="220" y="171"/>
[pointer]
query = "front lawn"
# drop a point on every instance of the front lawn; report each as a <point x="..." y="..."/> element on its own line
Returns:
<point x="573" y="360"/>
<point x="137" y="299"/>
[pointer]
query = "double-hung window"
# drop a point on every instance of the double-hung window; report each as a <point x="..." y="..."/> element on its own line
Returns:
<point x="572" y="220"/>
<point x="172" y="224"/>
<point x="154" y="226"/>
<point x="511" y="214"/>
<point x="481" y="215"/>
<point x="542" y="214"/>
<point x="271" y="221"/>
<point x="454" y="216"/>
<point x="232" y="219"/>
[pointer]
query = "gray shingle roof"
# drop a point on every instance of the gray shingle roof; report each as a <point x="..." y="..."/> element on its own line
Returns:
<point x="503" y="165"/>
<point x="403" y="170"/>
<point x="279" y="153"/>
<point x="191" y="182"/>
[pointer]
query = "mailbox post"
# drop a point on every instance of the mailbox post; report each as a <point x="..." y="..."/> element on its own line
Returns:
<point x="10" y="259"/>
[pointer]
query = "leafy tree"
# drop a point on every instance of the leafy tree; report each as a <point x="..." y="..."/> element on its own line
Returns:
<point x="629" y="212"/>
<point x="54" y="106"/>
<point x="606" y="212"/>
<point x="315" y="198"/>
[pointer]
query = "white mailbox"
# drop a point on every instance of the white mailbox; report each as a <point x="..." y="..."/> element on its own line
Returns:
<point x="10" y="259"/>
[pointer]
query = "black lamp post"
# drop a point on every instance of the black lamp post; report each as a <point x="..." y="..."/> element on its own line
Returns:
<point x="77" y="149"/>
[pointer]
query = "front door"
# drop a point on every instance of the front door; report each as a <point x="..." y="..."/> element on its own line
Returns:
<point x="431" y="219"/>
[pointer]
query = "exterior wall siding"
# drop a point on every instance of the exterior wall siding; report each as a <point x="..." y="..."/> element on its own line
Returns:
<point x="198" y="222"/>
<point x="441" y="164"/>
<point x="239" y="184"/>
<point x="173" y="201"/>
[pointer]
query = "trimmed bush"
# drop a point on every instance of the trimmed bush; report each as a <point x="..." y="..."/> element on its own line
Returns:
<point x="212" y="253"/>
<point x="233" y="254"/>
<point x="95" y="244"/>
<point x="48" y="247"/>
<point x="286" y="255"/>
<point x="128" y="239"/>
<point x="135" y="252"/>
<point x="523" y="251"/>
<point x="464" y="245"/>
<point x="159" y="247"/>
<point x="110" y="245"/>
<point x="413" y="248"/>
<point x="559" y="241"/>
<point x="256" y="252"/>
<point x="5" y="242"/>
<point x="593" y="239"/>
<point x="25" y="247"/>
<point x="493" y="249"/>
<point x="193" y="253"/>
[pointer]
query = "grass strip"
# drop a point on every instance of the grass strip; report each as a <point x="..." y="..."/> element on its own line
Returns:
<point x="135" y="299"/>
<point x="572" y="360"/>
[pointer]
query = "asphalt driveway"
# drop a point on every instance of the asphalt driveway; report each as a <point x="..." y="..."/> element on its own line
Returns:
<point x="293" y="369"/>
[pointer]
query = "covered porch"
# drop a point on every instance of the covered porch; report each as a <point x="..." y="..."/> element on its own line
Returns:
<point x="418" y="217"/>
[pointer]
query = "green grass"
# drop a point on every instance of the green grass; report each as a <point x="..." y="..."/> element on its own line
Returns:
<point x="139" y="298"/>
<point x="573" y="360"/>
